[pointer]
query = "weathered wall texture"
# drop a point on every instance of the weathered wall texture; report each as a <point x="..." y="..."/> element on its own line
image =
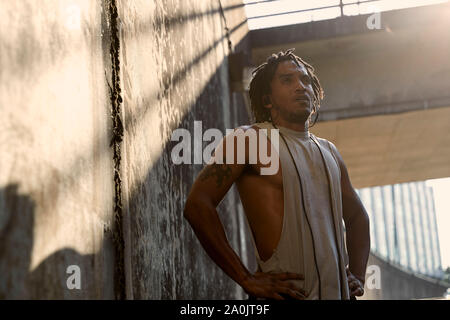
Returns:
<point x="55" y="161"/>
<point x="57" y="185"/>
<point x="175" y="72"/>
<point x="399" y="284"/>
<point x="166" y="65"/>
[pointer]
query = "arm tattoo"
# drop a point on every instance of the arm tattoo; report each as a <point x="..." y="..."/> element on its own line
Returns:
<point x="220" y="171"/>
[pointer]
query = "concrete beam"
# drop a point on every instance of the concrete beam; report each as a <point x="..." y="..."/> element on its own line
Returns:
<point x="387" y="92"/>
<point x="402" y="67"/>
<point x="389" y="149"/>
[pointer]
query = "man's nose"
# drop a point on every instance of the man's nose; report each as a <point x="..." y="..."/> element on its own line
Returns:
<point x="300" y="86"/>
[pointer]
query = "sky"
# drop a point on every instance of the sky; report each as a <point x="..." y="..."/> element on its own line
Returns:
<point x="262" y="7"/>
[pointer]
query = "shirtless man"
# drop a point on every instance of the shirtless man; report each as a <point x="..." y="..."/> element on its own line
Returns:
<point x="305" y="256"/>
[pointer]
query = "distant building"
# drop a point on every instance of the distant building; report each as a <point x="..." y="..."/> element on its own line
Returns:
<point x="403" y="227"/>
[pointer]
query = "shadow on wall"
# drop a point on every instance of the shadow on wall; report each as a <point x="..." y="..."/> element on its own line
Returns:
<point x="174" y="79"/>
<point x="49" y="279"/>
<point x="167" y="260"/>
<point x="168" y="263"/>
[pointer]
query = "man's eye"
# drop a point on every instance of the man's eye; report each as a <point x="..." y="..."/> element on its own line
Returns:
<point x="306" y="80"/>
<point x="286" y="80"/>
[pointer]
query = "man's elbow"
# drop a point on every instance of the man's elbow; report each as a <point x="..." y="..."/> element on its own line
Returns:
<point x="360" y="222"/>
<point x="364" y="220"/>
<point x="194" y="207"/>
<point x="359" y="218"/>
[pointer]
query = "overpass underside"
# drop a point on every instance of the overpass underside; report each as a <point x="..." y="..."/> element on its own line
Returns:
<point x="392" y="148"/>
<point x="387" y="90"/>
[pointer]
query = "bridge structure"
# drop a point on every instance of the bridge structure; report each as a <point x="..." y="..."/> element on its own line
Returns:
<point x="387" y="90"/>
<point x="386" y="104"/>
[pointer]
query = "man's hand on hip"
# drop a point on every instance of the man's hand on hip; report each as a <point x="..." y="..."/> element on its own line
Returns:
<point x="274" y="285"/>
<point x="355" y="284"/>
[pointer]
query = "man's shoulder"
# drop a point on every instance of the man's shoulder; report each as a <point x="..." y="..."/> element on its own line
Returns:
<point x="323" y="141"/>
<point x="331" y="147"/>
<point x="327" y="144"/>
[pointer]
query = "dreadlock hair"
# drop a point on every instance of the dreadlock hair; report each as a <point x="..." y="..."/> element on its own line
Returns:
<point x="263" y="75"/>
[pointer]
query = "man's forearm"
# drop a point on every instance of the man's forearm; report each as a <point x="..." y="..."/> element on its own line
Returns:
<point x="358" y="244"/>
<point x="208" y="228"/>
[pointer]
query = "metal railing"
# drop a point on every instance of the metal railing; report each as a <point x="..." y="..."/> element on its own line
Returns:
<point x="341" y="5"/>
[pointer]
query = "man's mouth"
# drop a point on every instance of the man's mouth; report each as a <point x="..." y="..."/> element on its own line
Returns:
<point x="302" y="99"/>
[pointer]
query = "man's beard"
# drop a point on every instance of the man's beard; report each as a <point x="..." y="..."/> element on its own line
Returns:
<point x="299" y="116"/>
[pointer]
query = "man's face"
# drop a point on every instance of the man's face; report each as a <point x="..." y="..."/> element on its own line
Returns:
<point x="292" y="93"/>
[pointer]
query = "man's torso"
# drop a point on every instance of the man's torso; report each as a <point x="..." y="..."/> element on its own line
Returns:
<point x="264" y="196"/>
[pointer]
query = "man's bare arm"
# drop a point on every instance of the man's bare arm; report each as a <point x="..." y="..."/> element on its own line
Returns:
<point x="200" y="211"/>
<point x="356" y="224"/>
<point x="208" y="190"/>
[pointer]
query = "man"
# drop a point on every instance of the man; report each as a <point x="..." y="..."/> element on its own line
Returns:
<point x="296" y="213"/>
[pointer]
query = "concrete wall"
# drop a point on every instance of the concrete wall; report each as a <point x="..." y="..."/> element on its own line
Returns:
<point x="396" y="283"/>
<point x="76" y="189"/>
<point x="55" y="161"/>
<point x="175" y="72"/>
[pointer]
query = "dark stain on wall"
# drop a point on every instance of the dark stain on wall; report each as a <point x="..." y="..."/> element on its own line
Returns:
<point x="117" y="137"/>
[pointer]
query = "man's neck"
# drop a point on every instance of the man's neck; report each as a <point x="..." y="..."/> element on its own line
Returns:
<point x="300" y="127"/>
